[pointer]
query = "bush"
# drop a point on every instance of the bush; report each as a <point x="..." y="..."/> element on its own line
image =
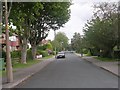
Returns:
<point x="88" y="54"/>
<point x="43" y="53"/>
<point x="85" y="51"/>
<point x="4" y="55"/>
<point x="49" y="46"/>
<point x="54" y="52"/>
<point x="15" y="54"/>
<point x="41" y="47"/>
<point x="45" y="47"/>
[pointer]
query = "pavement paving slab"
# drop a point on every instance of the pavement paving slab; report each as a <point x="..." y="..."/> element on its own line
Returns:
<point x="112" y="67"/>
<point x="23" y="74"/>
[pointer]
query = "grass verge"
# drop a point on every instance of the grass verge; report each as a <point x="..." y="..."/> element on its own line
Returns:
<point x="20" y="66"/>
<point x="47" y="57"/>
<point x="29" y="63"/>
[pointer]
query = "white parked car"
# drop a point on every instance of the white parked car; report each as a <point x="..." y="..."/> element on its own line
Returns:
<point x="60" y="55"/>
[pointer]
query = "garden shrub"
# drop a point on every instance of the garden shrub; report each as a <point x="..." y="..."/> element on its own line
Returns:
<point x="45" y="47"/>
<point x="85" y="51"/>
<point x="4" y="55"/>
<point x="43" y="53"/>
<point x="15" y="54"/>
<point x="41" y="47"/>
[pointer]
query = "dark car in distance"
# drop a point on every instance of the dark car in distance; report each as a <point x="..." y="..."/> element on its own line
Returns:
<point x="60" y="55"/>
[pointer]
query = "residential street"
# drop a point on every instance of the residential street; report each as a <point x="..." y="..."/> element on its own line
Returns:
<point x="71" y="72"/>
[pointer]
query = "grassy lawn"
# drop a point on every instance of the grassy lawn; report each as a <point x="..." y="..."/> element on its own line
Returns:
<point x="20" y="66"/>
<point x="29" y="63"/>
<point x="47" y="57"/>
<point x="87" y="55"/>
<point x="105" y="59"/>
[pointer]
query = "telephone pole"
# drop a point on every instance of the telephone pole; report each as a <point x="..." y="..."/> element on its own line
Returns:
<point x="9" y="70"/>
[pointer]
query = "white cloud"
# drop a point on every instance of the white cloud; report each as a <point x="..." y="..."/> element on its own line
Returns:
<point x="81" y="11"/>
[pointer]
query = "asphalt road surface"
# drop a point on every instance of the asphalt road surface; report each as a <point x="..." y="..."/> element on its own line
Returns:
<point x="71" y="72"/>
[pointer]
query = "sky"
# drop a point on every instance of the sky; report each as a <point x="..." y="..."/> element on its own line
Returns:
<point x="81" y="11"/>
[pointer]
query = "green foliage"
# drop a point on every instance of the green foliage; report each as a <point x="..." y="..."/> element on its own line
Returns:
<point x="76" y="43"/>
<point x="29" y="63"/>
<point x="102" y="31"/>
<point x="85" y="51"/>
<point x="88" y="54"/>
<point x="60" y="42"/>
<point x="16" y="54"/>
<point x="43" y="53"/>
<point x="52" y="16"/>
<point x="3" y="54"/>
<point x="40" y="47"/>
<point x="35" y="19"/>
<point x="49" y="46"/>
<point x="22" y="15"/>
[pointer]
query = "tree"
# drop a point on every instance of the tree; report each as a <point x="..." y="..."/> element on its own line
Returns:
<point x="22" y="14"/>
<point x="101" y="31"/>
<point x="53" y="16"/>
<point x="76" y="42"/>
<point x="60" y="42"/>
<point x="49" y="46"/>
<point x="8" y="55"/>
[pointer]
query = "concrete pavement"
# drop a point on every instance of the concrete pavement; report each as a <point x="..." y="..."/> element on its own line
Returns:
<point x="109" y="66"/>
<point x="23" y="74"/>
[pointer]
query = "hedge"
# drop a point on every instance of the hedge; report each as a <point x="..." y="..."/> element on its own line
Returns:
<point x="15" y="54"/>
<point x="43" y="53"/>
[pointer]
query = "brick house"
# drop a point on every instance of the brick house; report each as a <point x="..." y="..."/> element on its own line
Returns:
<point x="14" y="42"/>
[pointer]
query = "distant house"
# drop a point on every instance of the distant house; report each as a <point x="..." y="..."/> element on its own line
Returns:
<point x="2" y="39"/>
<point x="14" y="42"/>
<point x="45" y="42"/>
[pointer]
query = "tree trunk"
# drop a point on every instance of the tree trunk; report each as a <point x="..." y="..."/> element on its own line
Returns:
<point x="34" y="49"/>
<point x="9" y="69"/>
<point x="24" y="51"/>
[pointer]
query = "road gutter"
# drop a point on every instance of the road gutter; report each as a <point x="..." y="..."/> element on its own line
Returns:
<point x="99" y="66"/>
<point x="20" y="80"/>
